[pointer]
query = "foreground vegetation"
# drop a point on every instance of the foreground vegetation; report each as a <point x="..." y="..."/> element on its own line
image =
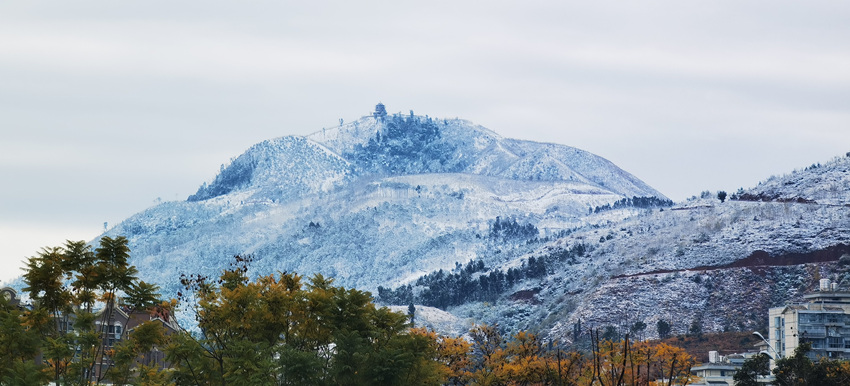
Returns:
<point x="279" y="330"/>
<point x="796" y="370"/>
<point x="272" y="330"/>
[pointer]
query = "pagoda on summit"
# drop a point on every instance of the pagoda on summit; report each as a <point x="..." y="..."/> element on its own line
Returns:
<point x="380" y="111"/>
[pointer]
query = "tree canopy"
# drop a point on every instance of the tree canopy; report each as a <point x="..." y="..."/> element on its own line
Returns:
<point x="276" y="329"/>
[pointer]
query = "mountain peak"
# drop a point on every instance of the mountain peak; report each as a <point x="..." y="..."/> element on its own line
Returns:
<point x="400" y="144"/>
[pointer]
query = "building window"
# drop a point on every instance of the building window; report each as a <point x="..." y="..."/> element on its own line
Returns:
<point x="114" y="329"/>
<point x="813" y="331"/>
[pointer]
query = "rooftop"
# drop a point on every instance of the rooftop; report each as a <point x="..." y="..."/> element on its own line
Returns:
<point x="715" y="366"/>
<point x="828" y="297"/>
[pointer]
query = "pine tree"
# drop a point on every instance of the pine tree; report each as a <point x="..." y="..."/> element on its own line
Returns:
<point x="411" y="312"/>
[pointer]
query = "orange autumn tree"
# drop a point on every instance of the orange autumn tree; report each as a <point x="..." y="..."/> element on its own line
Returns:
<point x="454" y="354"/>
<point x="527" y="362"/>
<point x="488" y="356"/>
<point x="610" y="361"/>
<point x="673" y="365"/>
<point x="627" y="363"/>
<point x="522" y="359"/>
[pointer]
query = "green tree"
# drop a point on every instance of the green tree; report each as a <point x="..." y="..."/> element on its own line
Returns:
<point x="611" y="333"/>
<point x="721" y="195"/>
<point x="799" y="370"/>
<point x="66" y="284"/>
<point x="637" y="329"/>
<point x="663" y="329"/>
<point x="52" y="300"/>
<point x="276" y="330"/>
<point x="754" y="367"/>
<point x="796" y="370"/>
<point x="696" y="328"/>
<point x="130" y="355"/>
<point x="18" y="346"/>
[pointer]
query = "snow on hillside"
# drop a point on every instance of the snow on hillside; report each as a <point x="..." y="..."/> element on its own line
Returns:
<point x="484" y="152"/>
<point x="827" y="183"/>
<point x="377" y="201"/>
<point x="687" y="239"/>
<point x="540" y="161"/>
<point x="673" y="264"/>
<point x="280" y="168"/>
<point x="437" y="320"/>
<point x="342" y="139"/>
<point x="384" y="201"/>
<point x="395" y="228"/>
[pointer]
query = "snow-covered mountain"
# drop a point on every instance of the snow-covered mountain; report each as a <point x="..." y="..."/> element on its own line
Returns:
<point x="447" y="214"/>
<point x="717" y="265"/>
<point x="375" y="202"/>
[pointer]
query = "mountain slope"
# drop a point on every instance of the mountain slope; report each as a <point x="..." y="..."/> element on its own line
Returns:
<point x="461" y="147"/>
<point x="377" y="202"/>
<point x="717" y="265"/>
<point x="823" y="184"/>
<point x="526" y="235"/>
<point x="281" y="168"/>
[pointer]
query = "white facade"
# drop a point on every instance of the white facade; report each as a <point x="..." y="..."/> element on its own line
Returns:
<point x="822" y="319"/>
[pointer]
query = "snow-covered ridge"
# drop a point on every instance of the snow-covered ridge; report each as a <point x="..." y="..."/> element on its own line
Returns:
<point x="325" y="159"/>
<point x="827" y="183"/>
<point x="282" y="167"/>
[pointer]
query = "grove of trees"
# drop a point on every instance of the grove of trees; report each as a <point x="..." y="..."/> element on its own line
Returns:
<point x="795" y="370"/>
<point x="278" y="329"/>
<point x="407" y="145"/>
<point x="75" y="292"/>
<point x="473" y="282"/>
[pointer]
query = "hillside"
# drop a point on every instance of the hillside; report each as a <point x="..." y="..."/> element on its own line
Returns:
<point x="473" y="227"/>
<point x="378" y="201"/>
<point x="721" y="265"/>
<point x="825" y="184"/>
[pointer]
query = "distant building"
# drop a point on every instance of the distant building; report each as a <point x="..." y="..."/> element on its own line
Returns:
<point x="10" y="295"/>
<point x="124" y="320"/>
<point x="117" y="328"/>
<point x="720" y="369"/>
<point x="380" y="111"/>
<point x="823" y="319"/>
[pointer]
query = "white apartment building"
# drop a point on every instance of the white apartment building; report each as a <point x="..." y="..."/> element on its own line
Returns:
<point x="823" y="318"/>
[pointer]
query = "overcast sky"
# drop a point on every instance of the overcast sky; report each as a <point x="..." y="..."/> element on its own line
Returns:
<point x="106" y="106"/>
